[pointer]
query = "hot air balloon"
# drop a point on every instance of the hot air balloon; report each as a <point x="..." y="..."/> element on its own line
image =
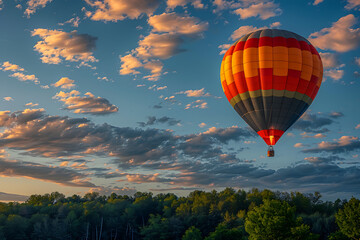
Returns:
<point x="270" y="77"/>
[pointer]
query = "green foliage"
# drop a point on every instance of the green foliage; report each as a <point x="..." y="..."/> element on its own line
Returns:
<point x="348" y="219"/>
<point x="275" y="220"/>
<point x="228" y="214"/>
<point x="192" y="233"/>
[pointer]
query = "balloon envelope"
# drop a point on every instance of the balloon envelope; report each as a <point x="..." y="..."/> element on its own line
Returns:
<point x="271" y="77"/>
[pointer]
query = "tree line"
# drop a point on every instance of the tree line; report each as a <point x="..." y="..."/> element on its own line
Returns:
<point x="225" y="215"/>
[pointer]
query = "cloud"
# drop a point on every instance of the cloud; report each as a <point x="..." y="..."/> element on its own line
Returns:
<point x="152" y="120"/>
<point x="155" y="68"/>
<point x="335" y="74"/>
<point x="330" y="60"/>
<point x="62" y="176"/>
<point x="275" y="25"/>
<point x="340" y="37"/>
<point x="161" y="46"/>
<point x="177" y="24"/>
<point x="195" y="93"/>
<point x="318" y="135"/>
<point x="169" y="31"/>
<point x="316" y="2"/>
<point x="57" y="46"/>
<point x="7" y="66"/>
<point x="8" y="99"/>
<point x="129" y="64"/>
<point x="263" y="10"/>
<point x="298" y="145"/>
<point x="34" y="5"/>
<point x="23" y="77"/>
<point x="315" y="123"/>
<point x="9" y="197"/>
<point x="243" y="30"/>
<point x="88" y="104"/>
<point x="197" y="104"/>
<point x="352" y="4"/>
<point x="174" y="3"/>
<point x="357" y="126"/>
<point x="341" y="145"/>
<point x="109" y="190"/>
<point x="143" y="178"/>
<point x="31" y="132"/>
<point x="202" y="125"/>
<point x="73" y="21"/>
<point x="117" y="10"/>
<point x="65" y="83"/>
<point x="224" y="48"/>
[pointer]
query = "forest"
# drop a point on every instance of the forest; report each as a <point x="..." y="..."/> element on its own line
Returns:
<point x="226" y="215"/>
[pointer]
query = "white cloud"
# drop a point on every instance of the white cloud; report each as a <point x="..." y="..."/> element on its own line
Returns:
<point x="174" y="3"/>
<point x="263" y="10"/>
<point x="24" y="77"/>
<point x="117" y="10"/>
<point x="339" y="37"/>
<point x="177" y="24"/>
<point x="57" y="45"/>
<point x="8" y="99"/>
<point x="352" y="4"/>
<point x="65" y="83"/>
<point x="7" y="66"/>
<point x="33" y="5"/>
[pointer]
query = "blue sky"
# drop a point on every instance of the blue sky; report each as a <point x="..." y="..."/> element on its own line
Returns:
<point x="124" y="96"/>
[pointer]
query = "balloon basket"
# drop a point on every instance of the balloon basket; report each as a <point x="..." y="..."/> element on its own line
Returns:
<point x="270" y="152"/>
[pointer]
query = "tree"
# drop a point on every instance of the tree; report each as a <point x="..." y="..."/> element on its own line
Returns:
<point x="348" y="219"/>
<point x="275" y="220"/>
<point x="192" y="234"/>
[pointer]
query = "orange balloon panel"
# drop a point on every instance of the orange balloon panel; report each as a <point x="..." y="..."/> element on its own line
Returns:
<point x="271" y="77"/>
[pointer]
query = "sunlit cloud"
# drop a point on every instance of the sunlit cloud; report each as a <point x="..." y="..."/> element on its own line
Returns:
<point x="195" y="93"/>
<point x="88" y="104"/>
<point x="177" y="24"/>
<point x="197" y="104"/>
<point x="316" y="2"/>
<point x="182" y="3"/>
<point x="343" y="144"/>
<point x="65" y="83"/>
<point x="72" y="21"/>
<point x="62" y="176"/>
<point x="340" y="37"/>
<point x="57" y="46"/>
<point x="352" y="4"/>
<point x="34" y="5"/>
<point x="117" y="10"/>
<point x="264" y="10"/>
<point x="8" y="99"/>
<point x="7" y="66"/>
<point x="24" y="77"/>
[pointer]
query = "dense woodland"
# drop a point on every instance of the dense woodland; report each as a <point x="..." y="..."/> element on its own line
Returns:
<point x="228" y="214"/>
